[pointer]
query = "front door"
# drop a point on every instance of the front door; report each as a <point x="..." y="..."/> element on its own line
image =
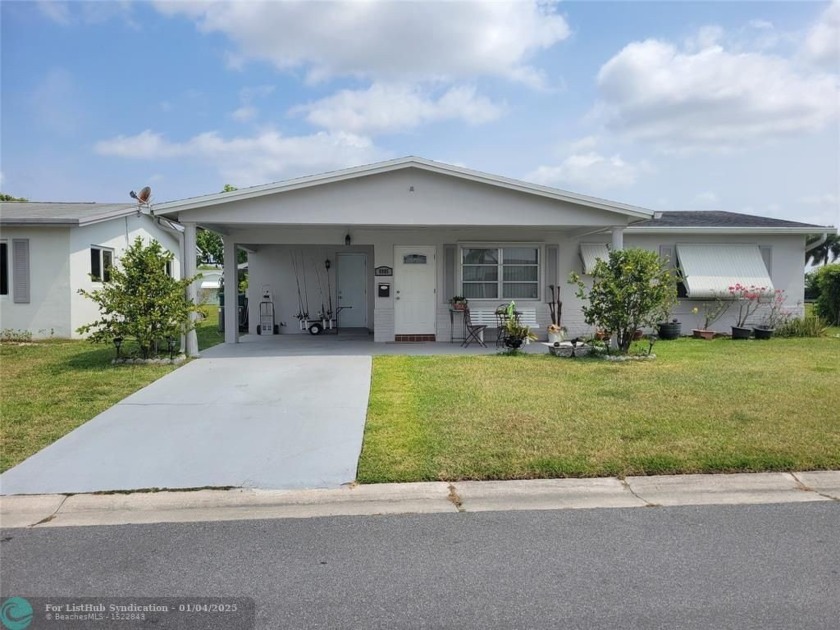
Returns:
<point x="351" y="278"/>
<point x="414" y="299"/>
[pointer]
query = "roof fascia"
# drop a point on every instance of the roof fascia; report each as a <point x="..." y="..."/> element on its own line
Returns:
<point x="730" y="230"/>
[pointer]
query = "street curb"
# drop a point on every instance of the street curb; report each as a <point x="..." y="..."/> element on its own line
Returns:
<point x="416" y="498"/>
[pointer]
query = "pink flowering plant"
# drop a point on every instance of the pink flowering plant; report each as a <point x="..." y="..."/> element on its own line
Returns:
<point x="748" y="300"/>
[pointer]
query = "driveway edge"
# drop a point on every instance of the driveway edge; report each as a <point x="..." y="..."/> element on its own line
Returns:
<point x="416" y="498"/>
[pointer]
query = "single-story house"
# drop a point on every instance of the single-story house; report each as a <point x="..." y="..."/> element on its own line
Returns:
<point x="48" y="251"/>
<point x="404" y="236"/>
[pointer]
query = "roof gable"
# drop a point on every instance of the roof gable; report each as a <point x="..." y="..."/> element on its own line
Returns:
<point x="177" y="207"/>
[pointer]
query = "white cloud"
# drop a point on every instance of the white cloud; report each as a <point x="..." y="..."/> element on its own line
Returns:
<point x="590" y="171"/>
<point x="247" y="111"/>
<point x="389" y="107"/>
<point x="244" y="113"/>
<point x="587" y="143"/>
<point x="385" y="40"/>
<point x="265" y="156"/>
<point x="711" y="98"/>
<point x="67" y="13"/>
<point x="822" y="45"/>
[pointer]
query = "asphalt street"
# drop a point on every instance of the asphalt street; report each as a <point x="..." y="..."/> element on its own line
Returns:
<point x="761" y="566"/>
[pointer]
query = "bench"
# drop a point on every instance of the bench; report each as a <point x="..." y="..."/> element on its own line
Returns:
<point x="487" y="317"/>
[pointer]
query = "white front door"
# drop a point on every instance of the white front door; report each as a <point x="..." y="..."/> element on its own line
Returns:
<point x="414" y="296"/>
<point x="351" y="278"/>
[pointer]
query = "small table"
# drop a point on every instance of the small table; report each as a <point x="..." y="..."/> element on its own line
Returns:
<point x="452" y="337"/>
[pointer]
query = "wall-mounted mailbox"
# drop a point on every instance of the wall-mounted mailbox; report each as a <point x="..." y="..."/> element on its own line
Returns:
<point x="384" y="290"/>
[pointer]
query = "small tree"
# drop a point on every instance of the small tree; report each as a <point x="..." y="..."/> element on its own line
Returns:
<point x="633" y="288"/>
<point x="141" y="301"/>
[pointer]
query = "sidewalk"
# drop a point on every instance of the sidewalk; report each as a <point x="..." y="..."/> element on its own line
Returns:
<point x="58" y="510"/>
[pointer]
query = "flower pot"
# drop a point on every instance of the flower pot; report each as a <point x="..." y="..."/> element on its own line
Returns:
<point x="459" y="306"/>
<point x="555" y="337"/>
<point x="741" y="333"/>
<point x="514" y="343"/>
<point x="670" y="330"/>
<point x="763" y="333"/>
<point x="703" y="334"/>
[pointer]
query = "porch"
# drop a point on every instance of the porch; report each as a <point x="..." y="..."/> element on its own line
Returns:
<point x="348" y="342"/>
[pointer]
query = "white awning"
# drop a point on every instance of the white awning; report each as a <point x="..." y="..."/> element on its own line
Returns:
<point x="710" y="269"/>
<point x="590" y="252"/>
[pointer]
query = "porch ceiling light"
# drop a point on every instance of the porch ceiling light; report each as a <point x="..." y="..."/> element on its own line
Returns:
<point x="347" y="240"/>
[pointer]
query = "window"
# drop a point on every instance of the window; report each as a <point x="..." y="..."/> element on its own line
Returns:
<point x="509" y="273"/>
<point x="4" y="268"/>
<point x="101" y="261"/>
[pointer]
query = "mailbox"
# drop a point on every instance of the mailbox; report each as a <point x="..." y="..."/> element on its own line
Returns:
<point x="384" y="291"/>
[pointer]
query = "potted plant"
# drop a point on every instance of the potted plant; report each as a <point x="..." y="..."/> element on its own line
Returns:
<point x="748" y="299"/>
<point x="515" y="333"/>
<point x="669" y="329"/>
<point x="458" y="303"/>
<point x="713" y="310"/>
<point x="556" y="333"/>
<point x="773" y="316"/>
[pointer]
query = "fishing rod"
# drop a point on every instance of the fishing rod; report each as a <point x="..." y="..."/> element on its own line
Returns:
<point x="300" y="314"/>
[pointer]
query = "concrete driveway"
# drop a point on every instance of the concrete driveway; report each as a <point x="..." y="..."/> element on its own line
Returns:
<point x="276" y="422"/>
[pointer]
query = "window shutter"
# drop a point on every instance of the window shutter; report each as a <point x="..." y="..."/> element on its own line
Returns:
<point x="20" y="273"/>
<point x="551" y="255"/>
<point x="449" y="270"/>
<point x="767" y="256"/>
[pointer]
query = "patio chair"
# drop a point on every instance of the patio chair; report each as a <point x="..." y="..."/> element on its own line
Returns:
<point x="474" y="332"/>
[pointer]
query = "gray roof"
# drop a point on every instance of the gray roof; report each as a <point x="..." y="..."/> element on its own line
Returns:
<point x="717" y="219"/>
<point x="61" y="213"/>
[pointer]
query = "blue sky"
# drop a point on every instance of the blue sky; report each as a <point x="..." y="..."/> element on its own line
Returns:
<point x="667" y="105"/>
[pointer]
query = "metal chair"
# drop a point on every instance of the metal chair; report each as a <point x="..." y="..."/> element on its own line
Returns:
<point x="474" y="332"/>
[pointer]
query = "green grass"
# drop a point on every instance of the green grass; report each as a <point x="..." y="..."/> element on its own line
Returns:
<point x="49" y="388"/>
<point x="701" y="406"/>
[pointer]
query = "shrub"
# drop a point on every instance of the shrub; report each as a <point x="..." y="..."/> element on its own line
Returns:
<point x="802" y="327"/>
<point x="632" y="289"/>
<point x="828" y="302"/>
<point x="141" y="301"/>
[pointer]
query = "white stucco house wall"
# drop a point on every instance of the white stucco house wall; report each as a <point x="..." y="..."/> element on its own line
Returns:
<point x="48" y="252"/>
<point x="404" y="236"/>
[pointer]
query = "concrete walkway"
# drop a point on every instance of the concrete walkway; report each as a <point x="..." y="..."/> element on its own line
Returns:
<point x="274" y="422"/>
<point x="419" y="498"/>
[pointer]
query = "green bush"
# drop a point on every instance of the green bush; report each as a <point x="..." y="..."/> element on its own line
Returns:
<point x="632" y="289"/>
<point x="141" y="301"/>
<point x="802" y="327"/>
<point x="828" y="302"/>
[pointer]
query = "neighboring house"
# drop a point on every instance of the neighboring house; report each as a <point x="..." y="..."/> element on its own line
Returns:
<point x="48" y="251"/>
<point x="404" y="236"/>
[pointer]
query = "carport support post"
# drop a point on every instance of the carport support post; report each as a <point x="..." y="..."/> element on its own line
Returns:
<point x="190" y="270"/>
<point x="231" y="291"/>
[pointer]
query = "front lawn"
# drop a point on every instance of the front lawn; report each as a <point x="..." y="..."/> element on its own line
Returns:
<point x="701" y="406"/>
<point x="48" y="388"/>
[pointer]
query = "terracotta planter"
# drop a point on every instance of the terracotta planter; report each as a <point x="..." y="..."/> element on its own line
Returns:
<point x="460" y="306"/>
<point x="763" y="333"/>
<point x="741" y="333"/>
<point x="670" y="330"/>
<point x="703" y="334"/>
